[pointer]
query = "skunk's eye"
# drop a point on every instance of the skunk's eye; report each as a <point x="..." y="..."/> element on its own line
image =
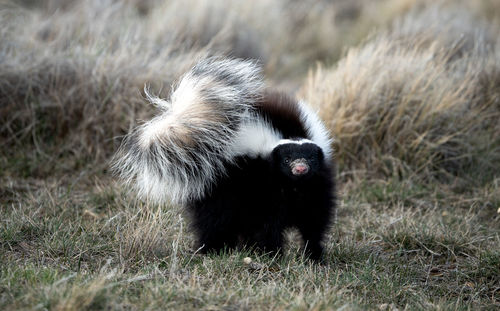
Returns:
<point x="287" y="160"/>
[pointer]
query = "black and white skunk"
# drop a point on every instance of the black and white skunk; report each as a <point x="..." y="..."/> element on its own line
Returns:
<point x="246" y="163"/>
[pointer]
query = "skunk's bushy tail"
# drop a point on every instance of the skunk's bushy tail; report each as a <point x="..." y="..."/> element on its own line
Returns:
<point x="178" y="154"/>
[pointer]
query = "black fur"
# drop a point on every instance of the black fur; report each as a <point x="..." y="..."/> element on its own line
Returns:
<point x="282" y="112"/>
<point x="193" y="153"/>
<point x="259" y="198"/>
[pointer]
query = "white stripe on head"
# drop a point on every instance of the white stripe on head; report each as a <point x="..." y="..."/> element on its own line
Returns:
<point x="316" y="130"/>
<point x="298" y="142"/>
<point x="256" y="137"/>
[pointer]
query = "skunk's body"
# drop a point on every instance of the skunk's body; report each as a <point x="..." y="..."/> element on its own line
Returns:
<point x="246" y="163"/>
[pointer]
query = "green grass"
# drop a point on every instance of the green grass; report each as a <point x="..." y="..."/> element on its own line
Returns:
<point x="394" y="246"/>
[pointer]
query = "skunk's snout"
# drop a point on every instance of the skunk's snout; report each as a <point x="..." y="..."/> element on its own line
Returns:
<point x="299" y="167"/>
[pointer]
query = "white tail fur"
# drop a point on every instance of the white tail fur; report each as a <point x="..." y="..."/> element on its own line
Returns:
<point x="177" y="155"/>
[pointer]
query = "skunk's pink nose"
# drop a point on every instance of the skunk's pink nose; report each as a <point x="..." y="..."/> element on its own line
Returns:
<point x="300" y="169"/>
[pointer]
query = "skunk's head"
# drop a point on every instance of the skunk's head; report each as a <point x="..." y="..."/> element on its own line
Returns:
<point x="297" y="160"/>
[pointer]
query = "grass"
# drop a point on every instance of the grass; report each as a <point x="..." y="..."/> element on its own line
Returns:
<point x="413" y="107"/>
<point x="93" y="249"/>
<point x="421" y="97"/>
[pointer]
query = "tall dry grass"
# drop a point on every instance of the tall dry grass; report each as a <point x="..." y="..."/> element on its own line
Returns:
<point x="70" y="80"/>
<point x="71" y="72"/>
<point x="422" y="97"/>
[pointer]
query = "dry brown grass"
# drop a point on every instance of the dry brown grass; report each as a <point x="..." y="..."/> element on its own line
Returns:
<point x="71" y="79"/>
<point x="422" y="97"/>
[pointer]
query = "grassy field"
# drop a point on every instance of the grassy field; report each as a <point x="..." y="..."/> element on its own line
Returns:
<point x="410" y="89"/>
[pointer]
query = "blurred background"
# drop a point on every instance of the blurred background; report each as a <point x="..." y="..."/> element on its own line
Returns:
<point x="71" y="73"/>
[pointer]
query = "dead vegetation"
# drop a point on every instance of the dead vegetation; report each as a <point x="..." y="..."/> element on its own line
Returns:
<point x="421" y="97"/>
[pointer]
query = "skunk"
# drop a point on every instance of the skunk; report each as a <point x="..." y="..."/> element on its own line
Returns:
<point x="245" y="162"/>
